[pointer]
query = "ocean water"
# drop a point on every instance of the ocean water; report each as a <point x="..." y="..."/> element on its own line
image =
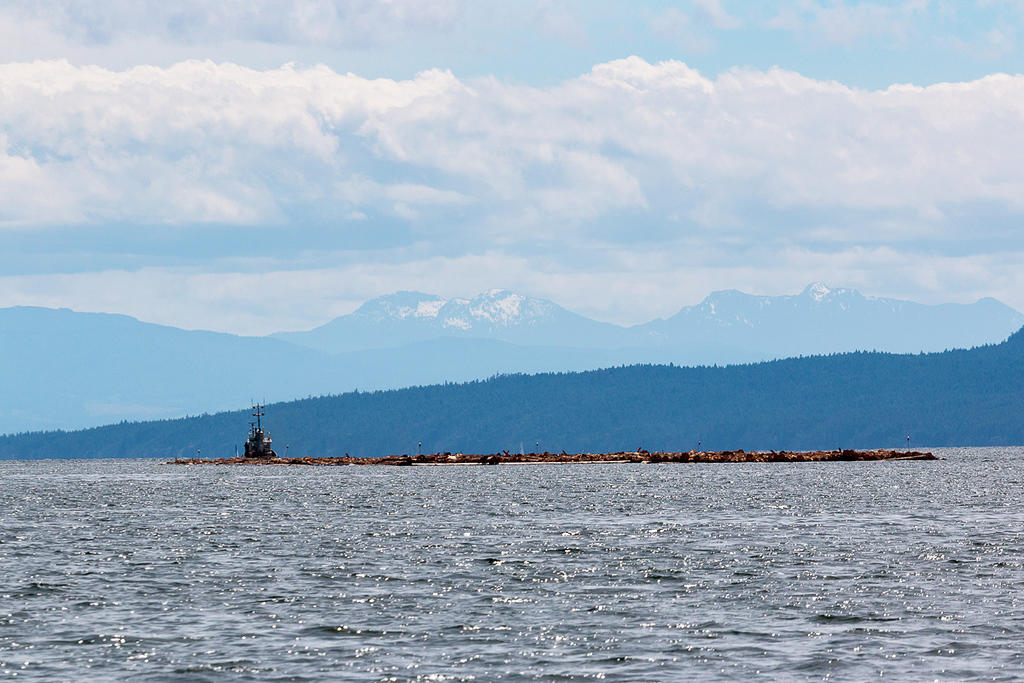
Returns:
<point x="131" y="569"/>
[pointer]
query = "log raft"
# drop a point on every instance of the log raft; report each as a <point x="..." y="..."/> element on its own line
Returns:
<point x="638" y="456"/>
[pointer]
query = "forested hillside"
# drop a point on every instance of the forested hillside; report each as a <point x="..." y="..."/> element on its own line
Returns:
<point x="970" y="397"/>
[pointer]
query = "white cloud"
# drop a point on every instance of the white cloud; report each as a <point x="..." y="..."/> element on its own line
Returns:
<point x="325" y="22"/>
<point x="679" y="27"/>
<point x="990" y="45"/>
<point x="844" y="23"/>
<point x="555" y="20"/>
<point x="713" y="12"/>
<point x="694" y="31"/>
<point x="635" y="187"/>
<point x="217" y="143"/>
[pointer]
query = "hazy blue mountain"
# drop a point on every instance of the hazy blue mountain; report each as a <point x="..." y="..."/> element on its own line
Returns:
<point x="855" y="400"/>
<point x="405" y="317"/>
<point x="63" y="369"/>
<point x="823" y="320"/>
<point x="60" y="368"/>
<point x="728" y="326"/>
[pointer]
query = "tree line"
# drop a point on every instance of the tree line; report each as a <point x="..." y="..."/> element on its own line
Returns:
<point x="849" y="400"/>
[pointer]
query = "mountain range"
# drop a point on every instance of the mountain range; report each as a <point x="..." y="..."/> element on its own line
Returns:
<point x="854" y="400"/>
<point x="66" y="370"/>
<point x="727" y="326"/>
<point x="406" y="317"/>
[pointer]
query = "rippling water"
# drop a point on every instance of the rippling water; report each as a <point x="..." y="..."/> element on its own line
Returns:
<point x="113" y="569"/>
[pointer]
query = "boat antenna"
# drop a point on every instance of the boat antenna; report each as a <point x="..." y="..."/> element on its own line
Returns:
<point x="257" y="412"/>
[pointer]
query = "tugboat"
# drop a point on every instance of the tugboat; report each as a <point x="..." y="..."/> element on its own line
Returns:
<point x="259" y="443"/>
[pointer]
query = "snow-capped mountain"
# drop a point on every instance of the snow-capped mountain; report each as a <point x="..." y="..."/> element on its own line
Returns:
<point x="405" y="317"/>
<point x="495" y="308"/>
<point x="821" y="319"/>
<point x="401" y="306"/>
<point x="728" y="326"/>
<point x="111" y="368"/>
<point x="499" y="308"/>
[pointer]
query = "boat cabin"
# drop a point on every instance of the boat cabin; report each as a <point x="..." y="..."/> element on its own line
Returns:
<point x="259" y="444"/>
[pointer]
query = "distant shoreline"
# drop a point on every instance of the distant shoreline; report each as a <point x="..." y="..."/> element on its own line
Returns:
<point x="639" y="456"/>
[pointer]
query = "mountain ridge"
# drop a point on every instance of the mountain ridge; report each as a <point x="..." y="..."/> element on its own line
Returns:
<point x="64" y="369"/>
<point x="501" y="314"/>
<point x="850" y="400"/>
<point x="843" y="318"/>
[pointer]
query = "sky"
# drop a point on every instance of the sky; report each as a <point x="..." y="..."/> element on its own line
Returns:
<point x="258" y="166"/>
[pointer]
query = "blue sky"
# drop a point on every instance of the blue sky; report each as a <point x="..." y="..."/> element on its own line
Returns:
<point x="251" y="167"/>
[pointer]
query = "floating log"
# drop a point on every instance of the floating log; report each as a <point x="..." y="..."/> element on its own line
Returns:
<point x="638" y="456"/>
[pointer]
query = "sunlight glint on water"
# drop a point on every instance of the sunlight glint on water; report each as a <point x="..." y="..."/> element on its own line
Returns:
<point x="115" y="568"/>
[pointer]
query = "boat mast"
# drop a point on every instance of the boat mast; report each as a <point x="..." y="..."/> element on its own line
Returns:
<point x="257" y="412"/>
